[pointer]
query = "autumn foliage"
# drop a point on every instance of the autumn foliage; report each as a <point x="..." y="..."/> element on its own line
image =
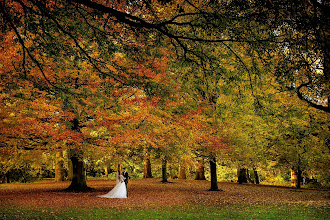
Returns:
<point x="178" y="80"/>
<point x="151" y="193"/>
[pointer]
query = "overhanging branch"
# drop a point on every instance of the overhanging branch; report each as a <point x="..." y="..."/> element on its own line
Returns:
<point x="312" y="104"/>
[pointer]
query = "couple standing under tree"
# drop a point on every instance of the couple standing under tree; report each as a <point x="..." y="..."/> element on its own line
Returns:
<point x="120" y="190"/>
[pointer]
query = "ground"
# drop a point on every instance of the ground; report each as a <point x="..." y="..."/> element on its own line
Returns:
<point x="151" y="193"/>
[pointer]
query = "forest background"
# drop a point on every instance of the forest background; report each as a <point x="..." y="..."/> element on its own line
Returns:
<point x="224" y="90"/>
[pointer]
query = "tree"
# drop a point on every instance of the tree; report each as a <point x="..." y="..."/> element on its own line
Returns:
<point x="75" y="86"/>
<point x="59" y="166"/>
<point x="183" y="24"/>
<point x="200" y="169"/>
<point x="299" y="141"/>
<point x="147" y="166"/>
<point x="73" y="51"/>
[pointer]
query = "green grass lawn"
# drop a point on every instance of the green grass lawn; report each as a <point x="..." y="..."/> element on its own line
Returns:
<point x="174" y="212"/>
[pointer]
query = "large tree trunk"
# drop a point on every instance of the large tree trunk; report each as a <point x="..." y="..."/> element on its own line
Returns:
<point x="78" y="183"/>
<point x="70" y="170"/>
<point x="256" y="176"/>
<point x="182" y="172"/>
<point x="200" y="174"/>
<point x="164" y="170"/>
<point x="241" y="175"/>
<point x="213" y="170"/>
<point x="59" y="166"/>
<point x="147" y="166"/>
<point x="6" y="178"/>
<point x="296" y="177"/>
<point x="248" y="176"/>
<point x="293" y="178"/>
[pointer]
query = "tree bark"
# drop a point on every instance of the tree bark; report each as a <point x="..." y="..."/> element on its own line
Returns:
<point x="147" y="166"/>
<point x="70" y="170"/>
<point x="200" y="174"/>
<point x="213" y="169"/>
<point x="294" y="178"/>
<point x="164" y="170"/>
<point x="241" y="175"/>
<point x="59" y="166"/>
<point x="182" y="172"/>
<point x="298" y="177"/>
<point x="248" y="176"/>
<point x="6" y="178"/>
<point x="78" y="183"/>
<point x="256" y="176"/>
<point x="106" y="172"/>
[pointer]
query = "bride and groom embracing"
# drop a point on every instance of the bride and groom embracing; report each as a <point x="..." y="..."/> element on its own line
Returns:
<point x="120" y="190"/>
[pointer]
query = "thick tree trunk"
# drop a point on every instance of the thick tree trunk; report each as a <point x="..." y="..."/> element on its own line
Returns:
<point x="200" y="174"/>
<point x="213" y="170"/>
<point x="241" y="175"/>
<point x="59" y="166"/>
<point x="182" y="172"/>
<point x="147" y="167"/>
<point x="296" y="177"/>
<point x="256" y="176"/>
<point x="299" y="178"/>
<point x="70" y="170"/>
<point x="248" y="176"/>
<point x="6" y="178"/>
<point x="78" y="183"/>
<point x="164" y="170"/>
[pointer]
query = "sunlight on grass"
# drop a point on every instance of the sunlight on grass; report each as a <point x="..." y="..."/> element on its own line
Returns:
<point x="175" y="212"/>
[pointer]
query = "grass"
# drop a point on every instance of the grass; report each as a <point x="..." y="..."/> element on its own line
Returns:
<point x="269" y="211"/>
<point x="151" y="199"/>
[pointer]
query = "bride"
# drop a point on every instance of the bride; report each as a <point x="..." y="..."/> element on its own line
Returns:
<point x="119" y="191"/>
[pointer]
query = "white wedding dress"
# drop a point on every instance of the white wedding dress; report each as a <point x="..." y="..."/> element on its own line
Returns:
<point x="119" y="191"/>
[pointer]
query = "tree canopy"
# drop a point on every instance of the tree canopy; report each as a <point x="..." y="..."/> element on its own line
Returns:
<point x="165" y="75"/>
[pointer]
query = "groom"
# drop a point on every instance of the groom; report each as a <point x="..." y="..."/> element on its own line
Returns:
<point x="125" y="174"/>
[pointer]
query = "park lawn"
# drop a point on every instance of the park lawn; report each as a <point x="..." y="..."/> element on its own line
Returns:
<point x="266" y="211"/>
<point x="150" y="199"/>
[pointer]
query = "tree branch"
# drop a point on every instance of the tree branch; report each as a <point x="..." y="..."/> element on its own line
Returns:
<point x="312" y="104"/>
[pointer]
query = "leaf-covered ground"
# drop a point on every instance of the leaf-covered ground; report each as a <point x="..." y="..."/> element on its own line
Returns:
<point x="151" y="193"/>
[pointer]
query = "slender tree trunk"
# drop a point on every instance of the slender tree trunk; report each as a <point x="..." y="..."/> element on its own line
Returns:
<point x="256" y="176"/>
<point x="59" y="166"/>
<point x="147" y="166"/>
<point x="182" y="172"/>
<point x="241" y="175"/>
<point x="106" y="171"/>
<point x="200" y="174"/>
<point x="164" y="170"/>
<point x="213" y="169"/>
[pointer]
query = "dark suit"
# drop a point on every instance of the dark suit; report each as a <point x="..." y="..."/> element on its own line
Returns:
<point x="125" y="174"/>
